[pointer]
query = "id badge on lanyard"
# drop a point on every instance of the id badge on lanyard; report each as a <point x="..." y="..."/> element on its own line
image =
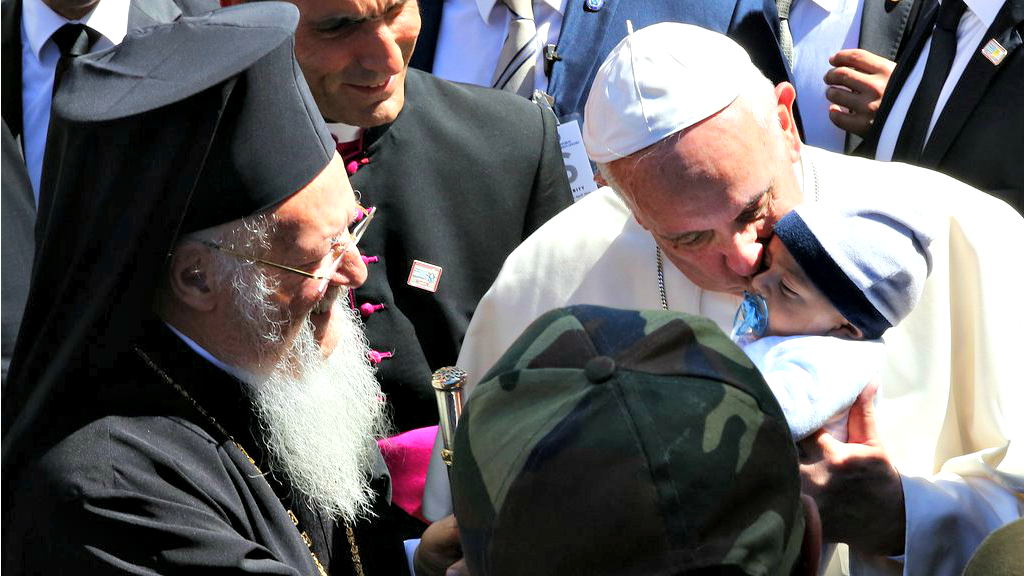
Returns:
<point x="574" y="154"/>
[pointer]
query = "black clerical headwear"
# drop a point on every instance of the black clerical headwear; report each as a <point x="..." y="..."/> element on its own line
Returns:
<point x="181" y="127"/>
<point x="270" y="140"/>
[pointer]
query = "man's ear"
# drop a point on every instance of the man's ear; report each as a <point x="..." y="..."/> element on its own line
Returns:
<point x="810" y="548"/>
<point x="190" y="277"/>
<point x="846" y="331"/>
<point x="785" y="95"/>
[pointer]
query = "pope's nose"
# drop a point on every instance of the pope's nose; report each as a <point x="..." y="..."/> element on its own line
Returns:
<point x="744" y="259"/>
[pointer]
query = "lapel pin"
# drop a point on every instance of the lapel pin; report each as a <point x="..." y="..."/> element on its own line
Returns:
<point x="994" y="51"/>
<point x="424" y="276"/>
<point x="593" y="5"/>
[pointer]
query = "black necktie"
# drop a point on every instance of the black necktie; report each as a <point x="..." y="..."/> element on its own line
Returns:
<point x="915" y="126"/>
<point x="73" y="40"/>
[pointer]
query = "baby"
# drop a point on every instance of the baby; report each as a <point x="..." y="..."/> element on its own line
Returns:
<point x="834" y="279"/>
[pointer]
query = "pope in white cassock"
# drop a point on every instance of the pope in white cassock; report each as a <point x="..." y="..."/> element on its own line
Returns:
<point x="704" y="157"/>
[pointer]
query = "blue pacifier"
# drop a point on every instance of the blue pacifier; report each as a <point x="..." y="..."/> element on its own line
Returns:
<point x="751" y="320"/>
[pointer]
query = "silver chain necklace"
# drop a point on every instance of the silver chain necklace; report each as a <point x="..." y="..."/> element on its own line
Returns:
<point x="661" y="278"/>
<point x="661" y="259"/>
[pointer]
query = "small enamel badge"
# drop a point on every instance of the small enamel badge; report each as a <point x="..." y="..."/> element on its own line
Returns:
<point x="424" y="276"/>
<point x="994" y="51"/>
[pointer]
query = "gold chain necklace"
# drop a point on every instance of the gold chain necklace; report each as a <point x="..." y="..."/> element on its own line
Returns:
<point x="357" y="563"/>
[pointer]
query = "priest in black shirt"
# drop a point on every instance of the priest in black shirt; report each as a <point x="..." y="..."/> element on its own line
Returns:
<point x="461" y="174"/>
<point x="190" y="390"/>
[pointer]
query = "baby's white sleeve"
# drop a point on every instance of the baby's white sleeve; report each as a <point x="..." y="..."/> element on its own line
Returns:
<point x="815" y="377"/>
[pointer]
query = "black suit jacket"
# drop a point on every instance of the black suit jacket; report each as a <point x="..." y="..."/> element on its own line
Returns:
<point x="587" y="37"/>
<point x="884" y="27"/>
<point x="459" y="179"/>
<point x="979" y="135"/>
<point x="18" y="203"/>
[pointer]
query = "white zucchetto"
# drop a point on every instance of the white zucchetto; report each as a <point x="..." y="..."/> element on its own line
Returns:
<point x="658" y="81"/>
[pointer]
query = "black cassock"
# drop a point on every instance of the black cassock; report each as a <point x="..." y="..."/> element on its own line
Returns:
<point x="460" y="178"/>
<point x="150" y="484"/>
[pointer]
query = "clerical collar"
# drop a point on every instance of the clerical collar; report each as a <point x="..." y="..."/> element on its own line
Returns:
<point x="344" y="132"/>
<point x="237" y="373"/>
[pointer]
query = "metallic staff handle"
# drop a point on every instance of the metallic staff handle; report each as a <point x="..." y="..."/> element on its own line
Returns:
<point x="448" y="383"/>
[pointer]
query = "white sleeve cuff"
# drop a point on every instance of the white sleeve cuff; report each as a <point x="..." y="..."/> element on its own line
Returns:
<point x="947" y="518"/>
<point x="410" y="552"/>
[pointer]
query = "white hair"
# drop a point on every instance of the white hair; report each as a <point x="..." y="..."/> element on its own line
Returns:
<point x="251" y="287"/>
<point x="319" y="416"/>
<point x="760" y="100"/>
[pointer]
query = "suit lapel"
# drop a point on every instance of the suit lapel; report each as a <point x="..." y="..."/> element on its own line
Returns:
<point x="143" y="13"/>
<point x="919" y="37"/>
<point x="882" y="26"/>
<point x="973" y="83"/>
<point x="11" y="41"/>
<point x="581" y="35"/>
<point x="426" y="44"/>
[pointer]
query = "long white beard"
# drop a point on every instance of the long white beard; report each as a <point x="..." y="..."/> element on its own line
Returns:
<point x="319" y="417"/>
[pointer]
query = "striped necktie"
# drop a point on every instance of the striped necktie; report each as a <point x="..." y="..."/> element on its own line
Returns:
<point x="518" y="58"/>
<point x="785" y="36"/>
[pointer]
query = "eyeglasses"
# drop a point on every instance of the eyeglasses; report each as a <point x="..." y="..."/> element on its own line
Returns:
<point x="324" y="273"/>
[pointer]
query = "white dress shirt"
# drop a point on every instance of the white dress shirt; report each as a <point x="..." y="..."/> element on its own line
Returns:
<point x="39" y="56"/>
<point x="969" y="34"/>
<point x="473" y="31"/>
<point x="820" y="28"/>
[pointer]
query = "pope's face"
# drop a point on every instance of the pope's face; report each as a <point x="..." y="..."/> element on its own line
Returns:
<point x="309" y="226"/>
<point x="711" y="195"/>
<point x="354" y="55"/>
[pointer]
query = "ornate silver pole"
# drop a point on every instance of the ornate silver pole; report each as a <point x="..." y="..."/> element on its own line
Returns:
<point x="447" y="383"/>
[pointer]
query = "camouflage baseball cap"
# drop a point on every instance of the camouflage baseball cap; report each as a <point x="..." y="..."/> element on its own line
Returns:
<point x="623" y="442"/>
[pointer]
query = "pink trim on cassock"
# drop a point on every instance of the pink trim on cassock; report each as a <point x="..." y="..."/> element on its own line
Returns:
<point x="407" y="456"/>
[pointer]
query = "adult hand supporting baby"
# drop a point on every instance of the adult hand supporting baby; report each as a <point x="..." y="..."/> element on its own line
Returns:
<point x="855" y="485"/>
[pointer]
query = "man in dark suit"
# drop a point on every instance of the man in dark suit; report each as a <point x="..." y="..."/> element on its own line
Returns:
<point x="857" y="77"/>
<point x="951" y="102"/>
<point x="21" y="181"/>
<point x="591" y="28"/>
<point x="459" y="175"/>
